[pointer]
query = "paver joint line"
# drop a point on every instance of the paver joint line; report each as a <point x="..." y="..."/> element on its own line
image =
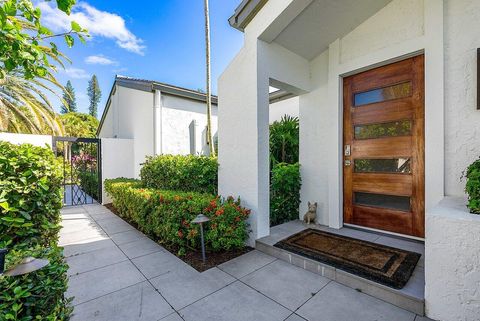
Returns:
<point x="91" y="212"/>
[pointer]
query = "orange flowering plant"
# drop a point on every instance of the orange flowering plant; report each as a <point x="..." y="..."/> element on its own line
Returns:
<point x="166" y="215"/>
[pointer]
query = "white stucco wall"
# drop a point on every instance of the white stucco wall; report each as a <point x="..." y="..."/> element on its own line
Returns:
<point x="446" y="32"/>
<point x="36" y="140"/>
<point x="314" y="151"/>
<point x="462" y="119"/>
<point x="117" y="161"/>
<point x="285" y="107"/>
<point x="452" y="262"/>
<point x="177" y="114"/>
<point x="401" y="29"/>
<point x="131" y="116"/>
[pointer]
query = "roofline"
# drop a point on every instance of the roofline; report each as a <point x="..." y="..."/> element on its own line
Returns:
<point x="245" y="12"/>
<point x="151" y="86"/>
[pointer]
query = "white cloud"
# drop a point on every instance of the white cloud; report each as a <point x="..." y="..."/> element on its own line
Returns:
<point x="99" y="60"/>
<point x="75" y="73"/>
<point x="97" y="22"/>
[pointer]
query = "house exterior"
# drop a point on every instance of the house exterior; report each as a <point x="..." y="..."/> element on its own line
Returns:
<point x="159" y="118"/>
<point x="165" y="119"/>
<point x="387" y="96"/>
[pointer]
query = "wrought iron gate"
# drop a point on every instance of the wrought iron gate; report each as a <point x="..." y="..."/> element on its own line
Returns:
<point x="82" y="169"/>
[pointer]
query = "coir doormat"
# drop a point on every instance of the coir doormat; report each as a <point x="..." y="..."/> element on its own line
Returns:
<point x="383" y="264"/>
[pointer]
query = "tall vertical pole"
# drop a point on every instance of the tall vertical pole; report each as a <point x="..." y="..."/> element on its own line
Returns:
<point x="209" y="81"/>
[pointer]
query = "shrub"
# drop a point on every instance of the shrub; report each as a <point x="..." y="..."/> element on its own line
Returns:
<point x="284" y="140"/>
<point x="166" y="215"/>
<point x="30" y="202"/>
<point x="186" y="173"/>
<point x="38" y="295"/>
<point x="89" y="183"/>
<point x="472" y="188"/>
<point x="284" y="193"/>
<point x="30" y="194"/>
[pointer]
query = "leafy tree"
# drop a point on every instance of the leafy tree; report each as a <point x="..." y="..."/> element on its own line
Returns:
<point x="94" y="93"/>
<point x="79" y="124"/>
<point x="24" y="108"/>
<point x="28" y="61"/>
<point x="24" y="41"/>
<point x="284" y="140"/>
<point x="70" y="105"/>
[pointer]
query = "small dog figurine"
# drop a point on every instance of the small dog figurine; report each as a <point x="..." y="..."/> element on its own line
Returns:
<point x="311" y="214"/>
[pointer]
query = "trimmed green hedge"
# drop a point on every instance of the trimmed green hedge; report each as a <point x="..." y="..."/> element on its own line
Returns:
<point x="186" y="173"/>
<point x="285" y="186"/>
<point x="30" y="194"/>
<point x="30" y="202"/>
<point x="472" y="187"/>
<point x="166" y="215"/>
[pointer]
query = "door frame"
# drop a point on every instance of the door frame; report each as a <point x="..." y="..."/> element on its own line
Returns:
<point x="430" y="44"/>
<point x="417" y="176"/>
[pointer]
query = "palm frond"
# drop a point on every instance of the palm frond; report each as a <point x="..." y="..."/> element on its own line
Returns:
<point x="24" y="106"/>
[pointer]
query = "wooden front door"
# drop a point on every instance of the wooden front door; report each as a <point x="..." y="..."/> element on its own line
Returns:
<point x="384" y="148"/>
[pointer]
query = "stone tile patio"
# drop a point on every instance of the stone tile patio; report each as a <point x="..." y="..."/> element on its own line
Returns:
<point x="117" y="273"/>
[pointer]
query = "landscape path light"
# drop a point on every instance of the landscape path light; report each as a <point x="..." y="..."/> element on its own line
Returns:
<point x="27" y="265"/>
<point x="200" y="219"/>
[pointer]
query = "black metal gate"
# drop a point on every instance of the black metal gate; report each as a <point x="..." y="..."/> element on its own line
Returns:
<point x="82" y="169"/>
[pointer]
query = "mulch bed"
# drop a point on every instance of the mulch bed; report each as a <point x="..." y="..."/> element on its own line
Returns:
<point x="194" y="258"/>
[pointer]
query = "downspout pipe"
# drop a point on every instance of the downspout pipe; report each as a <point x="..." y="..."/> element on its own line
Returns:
<point x="157" y="122"/>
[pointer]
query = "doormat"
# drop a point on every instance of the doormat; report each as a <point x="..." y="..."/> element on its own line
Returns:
<point x="383" y="264"/>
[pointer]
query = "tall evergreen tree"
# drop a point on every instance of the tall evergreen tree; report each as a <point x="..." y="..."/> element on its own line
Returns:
<point x="69" y="98"/>
<point x="94" y="93"/>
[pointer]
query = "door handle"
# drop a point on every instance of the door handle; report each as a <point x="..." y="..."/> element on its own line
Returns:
<point x="348" y="162"/>
<point x="347" y="150"/>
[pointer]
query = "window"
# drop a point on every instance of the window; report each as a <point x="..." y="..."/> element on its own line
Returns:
<point x="401" y="203"/>
<point x="383" y="94"/>
<point x="390" y="165"/>
<point x="392" y="129"/>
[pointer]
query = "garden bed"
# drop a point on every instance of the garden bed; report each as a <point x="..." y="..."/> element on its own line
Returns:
<point x="194" y="257"/>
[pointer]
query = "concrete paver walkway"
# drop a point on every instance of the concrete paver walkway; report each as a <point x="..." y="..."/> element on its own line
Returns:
<point x="117" y="273"/>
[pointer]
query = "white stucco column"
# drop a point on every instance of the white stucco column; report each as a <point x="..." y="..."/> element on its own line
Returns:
<point x="157" y="122"/>
<point x="243" y="138"/>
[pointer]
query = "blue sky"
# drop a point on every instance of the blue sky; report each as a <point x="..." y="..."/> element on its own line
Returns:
<point x="158" y="40"/>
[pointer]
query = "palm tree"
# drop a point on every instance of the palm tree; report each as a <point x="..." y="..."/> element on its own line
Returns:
<point x="209" y="82"/>
<point x="24" y="108"/>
